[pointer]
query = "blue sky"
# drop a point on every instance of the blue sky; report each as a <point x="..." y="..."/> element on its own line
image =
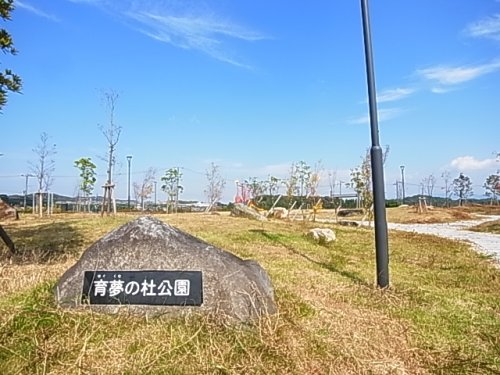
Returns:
<point x="253" y="86"/>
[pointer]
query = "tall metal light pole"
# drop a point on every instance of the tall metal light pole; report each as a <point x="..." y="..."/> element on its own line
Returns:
<point x="129" y="159"/>
<point x="403" y="182"/>
<point x="26" y="188"/>
<point x="381" y="240"/>
<point x="155" y="182"/>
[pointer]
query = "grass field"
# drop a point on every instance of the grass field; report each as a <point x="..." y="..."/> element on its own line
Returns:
<point x="441" y="314"/>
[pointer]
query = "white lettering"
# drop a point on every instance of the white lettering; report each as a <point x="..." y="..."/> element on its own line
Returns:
<point x="147" y="288"/>
<point x="132" y="288"/>
<point x="181" y="287"/>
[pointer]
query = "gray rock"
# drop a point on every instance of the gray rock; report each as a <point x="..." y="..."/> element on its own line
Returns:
<point x="322" y="235"/>
<point x="7" y="212"/>
<point x="279" y="213"/>
<point x="233" y="289"/>
<point x="242" y="210"/>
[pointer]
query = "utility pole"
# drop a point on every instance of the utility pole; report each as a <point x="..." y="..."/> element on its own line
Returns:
<point x="377" y="164"/>
<point x="177" y="191"/>
<point x="397" y="190"/>
<point x="26" y="188"/>
<point x="155" y="182"/>
<point x="403" y="181"/>
<point x="129" y="159"/>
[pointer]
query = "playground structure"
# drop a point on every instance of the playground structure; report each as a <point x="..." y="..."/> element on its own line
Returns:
<point x="242" y="193"/>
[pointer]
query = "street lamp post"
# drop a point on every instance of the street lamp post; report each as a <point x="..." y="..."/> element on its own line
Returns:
<point x="155" y="182"/>
<point x="129" y="159"/>
<point x="403" y="182"/>
<point x="381" y="240"/>
<point x="26" y="188"/>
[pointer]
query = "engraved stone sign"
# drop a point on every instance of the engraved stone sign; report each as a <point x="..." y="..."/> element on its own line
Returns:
<point x="150" y="268"/>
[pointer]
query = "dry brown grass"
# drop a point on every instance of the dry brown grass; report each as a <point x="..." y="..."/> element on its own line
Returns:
<point x="409" y="215"/>
<point x="488" y="227"/>
<point x="440" y="316"/>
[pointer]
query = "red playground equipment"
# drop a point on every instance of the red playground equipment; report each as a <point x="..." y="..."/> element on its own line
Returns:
<point x="242" y="193"/>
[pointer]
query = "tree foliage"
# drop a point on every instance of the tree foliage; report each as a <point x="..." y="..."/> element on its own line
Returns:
<point x="273" y="185"/>
<point x="462" y="188"/>
<point x="492" y="186"/>
<point x="255" y="187"/>
<point x="171" y="185"/>
<point x="87" y="175"/>
<point x="8" y="80"/>
<point x="361" y="180"/>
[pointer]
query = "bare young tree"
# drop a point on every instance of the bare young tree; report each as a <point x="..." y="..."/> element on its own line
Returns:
<point x="144" y="189"/>
<point x="43" y="168"/>
<point x="215" y="185"/>
<point x="447" y="187"/>
<point x="361" y="182"/>
<point x="312" y="189"/>
<point x="273" y="185"/>
<point x="255" y="187"/>
<point x="429" y="183"/>
<point x="492" y="187"/>
<point x="291" y="183"/>
<point x="332" y="177"/>
<point x="112" y="134"/>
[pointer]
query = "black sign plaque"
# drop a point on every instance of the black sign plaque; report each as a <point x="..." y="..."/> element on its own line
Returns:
<point x="170" y="288"/>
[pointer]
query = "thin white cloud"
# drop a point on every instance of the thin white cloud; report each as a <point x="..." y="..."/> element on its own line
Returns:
<point x="441" y="90"/>
<point x="203" y="33"/>
<point x="488" y="27"/>
<point x="36" y="11"/>
<point x="449" y="75"/>
<point x="384" y="114"/>
<point x="187" y="24"/>
<point x="470" y="163"/>
<point x="391" y="95"/>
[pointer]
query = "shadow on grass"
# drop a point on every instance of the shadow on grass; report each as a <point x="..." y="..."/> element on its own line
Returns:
<point x="328" y="266"/>
<point x="43" y="243"/>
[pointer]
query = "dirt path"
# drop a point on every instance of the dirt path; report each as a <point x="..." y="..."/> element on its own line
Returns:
<point x="486" y="243"/>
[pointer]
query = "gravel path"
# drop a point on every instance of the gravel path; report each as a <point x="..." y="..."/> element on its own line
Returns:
<point x="486" y="243"/>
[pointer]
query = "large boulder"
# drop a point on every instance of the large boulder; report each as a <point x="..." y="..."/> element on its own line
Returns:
<point x="138" y="268"/>
<point x="322" y="235"/>
<point x="7" y="211"/>
<point x="242" y="210"/>
<point x="279" y="212"/>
